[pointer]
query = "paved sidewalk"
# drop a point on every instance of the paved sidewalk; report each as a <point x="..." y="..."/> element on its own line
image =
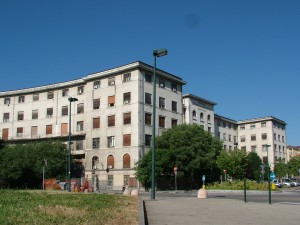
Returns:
<point x="173" y="211"/>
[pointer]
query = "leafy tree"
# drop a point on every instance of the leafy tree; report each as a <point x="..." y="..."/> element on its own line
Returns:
<point x="253" y="166"/>
<point x="234" y="161"/>
<point x="294" y="165"/>
<point x="190" y="148"/>
<point x="281" y="169"/>
<point x="21" y="164"/>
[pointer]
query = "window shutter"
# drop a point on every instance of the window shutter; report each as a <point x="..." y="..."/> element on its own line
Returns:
<point x="127" y="140"/>
<point x="110" y="162"/>
<point x="96" y="122"/>
<point x="111" y="99"/>
<point x="64" y="129"/>
<point x="126" y="161"/>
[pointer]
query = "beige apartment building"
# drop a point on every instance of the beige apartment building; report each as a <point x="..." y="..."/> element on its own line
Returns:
<point x="252" y="135"/>
<point x="292" y="151"/>
<point x="111" y="123"/>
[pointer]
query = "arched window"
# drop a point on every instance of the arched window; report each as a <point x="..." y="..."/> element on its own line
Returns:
<point x="95" y="162"/>
<point x="201" y="116"/>
<point x="208" y="118"/>
<point x="110" y="162"/>
<point x="194" y="113"/>
<point x="126" y="161"/>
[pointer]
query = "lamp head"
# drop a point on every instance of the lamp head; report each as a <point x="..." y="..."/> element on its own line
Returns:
<point x="72" y="99"/>
<point x="160" y="52"/>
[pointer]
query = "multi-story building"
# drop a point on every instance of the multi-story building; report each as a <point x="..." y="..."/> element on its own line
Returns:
<point x="111" y="123"/>
<point x="251" y="135"/>
<point x="292" y="151"/>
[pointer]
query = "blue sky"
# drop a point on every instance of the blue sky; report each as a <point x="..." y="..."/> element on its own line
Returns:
<point x="242" y="54"/>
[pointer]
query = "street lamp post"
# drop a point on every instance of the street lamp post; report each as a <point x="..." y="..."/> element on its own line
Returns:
<point x="156" y="53"/>
<point x="69" y="144"/>
<point x="269" y="182"/>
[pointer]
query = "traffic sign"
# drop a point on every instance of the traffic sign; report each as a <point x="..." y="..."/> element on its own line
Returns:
<point x="203" y="178"/>
<point x="272" y="176"/>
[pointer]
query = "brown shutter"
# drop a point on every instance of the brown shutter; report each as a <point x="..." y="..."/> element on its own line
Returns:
<point x="48" y="129"/>
<point x="64" y="129"/>
<point x="5" y="133"/>
<point x="111" y="121"/>
<point x="126" y="161"/>
<point x="126" y="139"/>
<point x="127" y="118"/>
<point x="96" y="122"/>
<point x="110" y="162"/>
<point x="111" y="99"/>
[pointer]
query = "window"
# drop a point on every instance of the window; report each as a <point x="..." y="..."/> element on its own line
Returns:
<point x="279" y="137"/>
<point x="174" y="106"/>
<point x="242" y="127"/>
<point x="243" y="138"/>
<point x="50" y="95"/>
<point x="95" y="162"/>
<point x="224" y="137"/>
<point x="263" y="124"/>
<point x="252" y="126"/>
<point x="162" y="102"/>
<point x="126" y="97"/>
<point x="80" y="90"/>
<point x="148" y="78"/>
<point x="209" y="129"/>
<point x="194" y="114"/>
<point x="174" y="87"/>
<point x="96" y="143"/>
<point x="126" y="77"/>
<point x="64" y="129"/>
<point x="110" y="162"/>
<point x="64" y="110"/>
<point x="96" y="103"/>
<point x="34" y="131"/>
<point x="7" y="101"/>
<point x="5" y="133"/>
<point x="111" y="121"/>
<point x="234" y="139"/>
<point x="253" y="148"/>
<point x="111" y="141"/>
<point x="264" y="136"/>
<point x="229" y="137"/>
<point x="80" y="108"/>
<point x="224" y="124"/>
<point x="96" y="122"/>
<point x="50" y="112"/>
<point x="35" y="114"/>
<point x="48" y="129"/>
<point x="79" y="126"/>
<point x="161" y="122"/>
<point x="110" y="181"/>
<point x="127" y="140"/>
<point x="274" y="136"/>
<point x="229" y="125"/>
<point x="208" y="120"/>
<point x="201" y="117"/>
<point x="97" y="84"/>
<point x="111" y="81"/>
<point x="111" y="101"/>
<point x="21" y="99"/>
<point x="148" y="118"/>
<point x="5" y="117"/>
<point x="243" y="148"/>
<point x="126" y="161"/>
<point x="253" y="137"/>
<point x="20" y="115"/>
<point x="161" y="83"/>
<point x="20" y="131"/>
<point x="174" y="122"/>
<point x="283" y="139"/>
<point x="79" y="145"/>
<point x="65" y="92"/>
<point x="148" y="98"/>
<point x="35" y="97"/>
<point x="148" y="138"/>
<point x="127" y="118"/>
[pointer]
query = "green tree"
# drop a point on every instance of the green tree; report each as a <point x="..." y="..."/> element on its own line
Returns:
<point x="234" y="161"/>
<point x="281" y="169"/>
<point x="253" y="166"/>
<point x="21" y="164"/>
<point x="190" y="148"/>
<point x="294" y="165"/>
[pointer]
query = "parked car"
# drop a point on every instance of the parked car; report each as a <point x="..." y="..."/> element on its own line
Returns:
<point x="287" y="182"/>
<point x="296" y="182"/>
<point x="277" y="183"/>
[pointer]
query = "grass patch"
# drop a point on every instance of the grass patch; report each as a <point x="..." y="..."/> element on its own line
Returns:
<point x="39" y="207"/>
<point x="239" y="185"/>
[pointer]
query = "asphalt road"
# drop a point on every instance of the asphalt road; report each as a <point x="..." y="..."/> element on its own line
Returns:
<point x="284" y="196"/>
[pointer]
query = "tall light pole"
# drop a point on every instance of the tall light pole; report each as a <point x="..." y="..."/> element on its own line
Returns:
<point x="156" y="53"/>
<point x="269" y="183"/>
<point x="69" y="144"/>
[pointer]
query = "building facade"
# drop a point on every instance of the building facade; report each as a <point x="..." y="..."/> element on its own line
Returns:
<point x="111" y="121"/>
